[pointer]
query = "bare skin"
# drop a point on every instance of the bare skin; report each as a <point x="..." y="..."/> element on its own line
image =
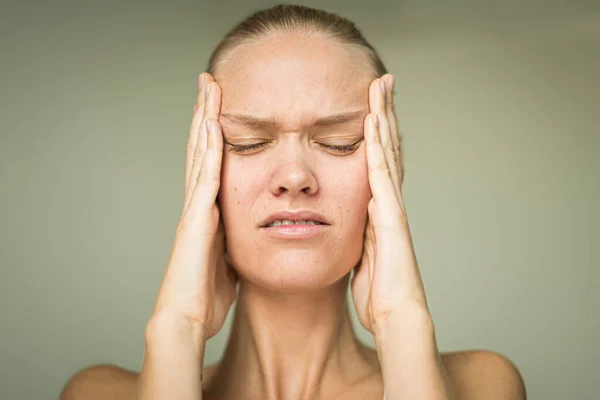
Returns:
<point x="473" y="375"/>
<point x="292" y="337"/>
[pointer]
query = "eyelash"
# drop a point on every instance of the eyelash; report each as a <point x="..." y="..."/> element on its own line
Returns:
<point x="244" y="148"/>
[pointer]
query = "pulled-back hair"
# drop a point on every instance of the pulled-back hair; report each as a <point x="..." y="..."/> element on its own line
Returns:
<point x="294" y="18"/>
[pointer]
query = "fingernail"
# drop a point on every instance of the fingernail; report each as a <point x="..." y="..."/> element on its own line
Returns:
<point x="391" y="83"/>
<point x="208" y="89"/>
<point x="375" y="121"/>
<point x="382" y="86"/>
<point x="207" y="123"/>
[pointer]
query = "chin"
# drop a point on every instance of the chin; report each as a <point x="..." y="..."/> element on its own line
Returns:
<point x="293" y="270"/>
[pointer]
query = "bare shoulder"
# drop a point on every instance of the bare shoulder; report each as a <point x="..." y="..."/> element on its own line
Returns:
<point x="483" y="374"/>
<point x="108" y="381"/>
<point x="474" y="374"/>
<point x="99" y="382"/>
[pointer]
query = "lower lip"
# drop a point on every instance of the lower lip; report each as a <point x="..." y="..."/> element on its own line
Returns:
<point x="296" y="231"/>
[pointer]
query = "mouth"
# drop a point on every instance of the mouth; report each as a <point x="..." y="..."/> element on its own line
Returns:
<point x="287" y="222"/>
<point x="295" y="230"/>
<point x="287" y="218"/>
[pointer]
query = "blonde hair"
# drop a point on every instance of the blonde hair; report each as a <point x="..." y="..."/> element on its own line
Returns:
<point x="285" y="17"/>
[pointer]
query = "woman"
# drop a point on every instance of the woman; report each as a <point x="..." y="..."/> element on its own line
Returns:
<point x="293" y="185"/>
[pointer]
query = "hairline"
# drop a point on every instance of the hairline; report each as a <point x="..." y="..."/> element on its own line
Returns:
<point x="229" y="50"/>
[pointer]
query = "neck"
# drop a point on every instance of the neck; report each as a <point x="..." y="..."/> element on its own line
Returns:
<point x="292" y="346"/>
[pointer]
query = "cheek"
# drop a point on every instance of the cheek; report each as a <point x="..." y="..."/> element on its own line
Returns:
<point x="351" y="183"/>
<point x="345" y="183"/>
<point x="348" y="195"/>
<point x="240" y="186"/>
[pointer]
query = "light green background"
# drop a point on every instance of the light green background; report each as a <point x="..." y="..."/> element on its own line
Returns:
<point x="499" y="103"/>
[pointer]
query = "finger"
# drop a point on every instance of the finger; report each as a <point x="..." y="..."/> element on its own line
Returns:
<point x="377" y="104"/>
<point x="226" y="277"/>
<point x="394" y="133"/>
<point x="370" y="238"/>
<point x="194" y="128"/>
<point x="212" y="105"/>
<point x="212" y="108"/>
<point x="380" y="180"/>
<point x="203" y="79"/>
<point x="213" y="102"/>
<point x="209" y="180"/>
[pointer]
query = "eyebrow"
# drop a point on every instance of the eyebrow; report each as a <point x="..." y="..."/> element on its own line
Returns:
<point x="265" y="123"/>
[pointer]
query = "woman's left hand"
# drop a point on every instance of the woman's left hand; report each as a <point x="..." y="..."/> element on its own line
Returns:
<point x="387" y="283"/>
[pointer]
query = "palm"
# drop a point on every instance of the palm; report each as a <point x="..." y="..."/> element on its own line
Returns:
<point x="388" y="274"/>
<point x="224" y="287"/>
<point x="199" y="282"/>
<point x="362" y="280"/>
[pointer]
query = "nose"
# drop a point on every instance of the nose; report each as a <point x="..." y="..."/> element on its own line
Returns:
<point x="293" y="175"/>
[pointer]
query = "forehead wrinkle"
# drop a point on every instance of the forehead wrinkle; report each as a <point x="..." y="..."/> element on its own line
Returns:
<point x="259" y="123"/>
<point x="286" y="84"/>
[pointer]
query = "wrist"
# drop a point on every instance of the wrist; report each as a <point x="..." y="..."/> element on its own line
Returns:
<point x="173" y="359"/>
<point x="166" y="326"/>
<point x="408" y="354"/>
<point x="407" y="321"/>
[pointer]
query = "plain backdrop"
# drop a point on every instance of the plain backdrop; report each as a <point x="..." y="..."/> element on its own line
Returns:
<point x="499" y="104"/>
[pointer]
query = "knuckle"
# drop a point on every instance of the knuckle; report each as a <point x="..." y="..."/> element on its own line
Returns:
<point x="381" y="167"/>
<point x="198" y="157"/>
<point x="210" y="185"/>
<point x="389" y="147"/>
<point x="394" y="157"/>
<point x="190" y="147"/>
<point x="398" y="148"/>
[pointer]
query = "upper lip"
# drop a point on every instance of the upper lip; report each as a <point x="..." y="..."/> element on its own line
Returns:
<point x="299" y="215"/>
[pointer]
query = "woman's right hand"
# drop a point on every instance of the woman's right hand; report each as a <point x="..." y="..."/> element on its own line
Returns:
<point x="199" y="285"/>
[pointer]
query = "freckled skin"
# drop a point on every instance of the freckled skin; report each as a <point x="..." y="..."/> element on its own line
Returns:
<point x="294" y="80"/>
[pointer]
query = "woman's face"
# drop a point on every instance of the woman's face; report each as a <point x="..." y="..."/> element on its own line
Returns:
<point x="277" y="94"/>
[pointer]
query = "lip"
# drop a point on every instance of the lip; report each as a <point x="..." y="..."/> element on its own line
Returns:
<point x="299" y="215"/>
<point x="303" y="231"/>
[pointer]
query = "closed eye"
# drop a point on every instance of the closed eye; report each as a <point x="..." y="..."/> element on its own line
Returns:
<point x="254" y="146"/>
<point x="236" y="148"/>
<point x="342" y="149"/>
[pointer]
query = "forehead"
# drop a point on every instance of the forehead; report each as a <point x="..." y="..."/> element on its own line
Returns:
<point x="294" y="78"/>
